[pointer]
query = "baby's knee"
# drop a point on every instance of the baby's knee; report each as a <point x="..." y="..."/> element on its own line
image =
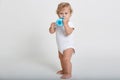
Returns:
<point x="66" y="59"/>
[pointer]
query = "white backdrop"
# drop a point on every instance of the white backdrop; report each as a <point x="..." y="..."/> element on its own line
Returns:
<point x="28" y="51"/>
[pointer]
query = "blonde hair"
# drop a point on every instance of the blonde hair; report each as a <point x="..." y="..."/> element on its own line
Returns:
<point x="63" y="5"/>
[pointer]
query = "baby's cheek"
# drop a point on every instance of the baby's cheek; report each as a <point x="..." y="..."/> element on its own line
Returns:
<point x="61" y="16"/>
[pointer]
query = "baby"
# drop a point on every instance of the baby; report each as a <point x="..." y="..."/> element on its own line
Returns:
<point x="64" y="39"/>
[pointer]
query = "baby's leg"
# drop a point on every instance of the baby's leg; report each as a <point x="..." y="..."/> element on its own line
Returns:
<point x="67" y="54"/>
<point x="61" y="61"/>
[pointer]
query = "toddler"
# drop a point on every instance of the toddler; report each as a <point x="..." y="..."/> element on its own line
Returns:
<point x="64" y="39"/>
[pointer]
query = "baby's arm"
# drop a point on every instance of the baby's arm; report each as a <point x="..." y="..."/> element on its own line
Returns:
<point x="68" y="29"/>
<point x="52" y="28"/>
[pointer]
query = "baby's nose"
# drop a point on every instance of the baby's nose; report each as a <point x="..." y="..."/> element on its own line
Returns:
<point x="63" y="16"/>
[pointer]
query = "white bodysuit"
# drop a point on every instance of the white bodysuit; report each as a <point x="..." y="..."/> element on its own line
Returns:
<point x="64" y="41"/>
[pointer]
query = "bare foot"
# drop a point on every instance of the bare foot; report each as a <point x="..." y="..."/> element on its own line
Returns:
<point x="66" y="76"/>
<point x="60" y="72"/>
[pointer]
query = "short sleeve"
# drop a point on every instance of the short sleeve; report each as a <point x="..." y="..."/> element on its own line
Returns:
<point x="71" y="25"/>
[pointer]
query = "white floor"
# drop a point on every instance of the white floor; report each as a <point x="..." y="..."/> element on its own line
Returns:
<point x="41" y="69"/>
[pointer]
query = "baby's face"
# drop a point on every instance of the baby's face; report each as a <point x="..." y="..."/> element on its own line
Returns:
<point x="65" y="13"/>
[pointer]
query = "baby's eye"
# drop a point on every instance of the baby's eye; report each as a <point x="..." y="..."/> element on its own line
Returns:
<point x="66" y="13"/>
<point x="61" y="13"/>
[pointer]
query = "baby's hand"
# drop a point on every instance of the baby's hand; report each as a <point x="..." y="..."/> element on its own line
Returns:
<point x="65" y="21"/>
<point x="53" y="24"/>
<point x="52" y="28"/>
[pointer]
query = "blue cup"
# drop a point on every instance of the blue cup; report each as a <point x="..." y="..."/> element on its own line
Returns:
<point x="59" y="22"/>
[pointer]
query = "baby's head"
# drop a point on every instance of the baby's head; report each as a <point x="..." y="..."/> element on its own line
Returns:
<point x="64" y="10"/>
